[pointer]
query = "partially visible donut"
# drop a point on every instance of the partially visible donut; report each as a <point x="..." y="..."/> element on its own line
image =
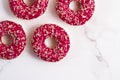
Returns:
<point x="18" y="40"/>
<point x="50" y="54"/>
<point x="75" y="17"/>
<point x="21" y="10"/>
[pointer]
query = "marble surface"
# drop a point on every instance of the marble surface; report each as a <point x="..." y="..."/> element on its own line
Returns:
<point x="94" y="52"/>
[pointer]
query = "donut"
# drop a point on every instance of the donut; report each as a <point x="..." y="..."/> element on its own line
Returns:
<point x="18" y="36"/>
<point x="73" y="17"/>
<point x="21" y="10"/>
<point x="50" y="31"/>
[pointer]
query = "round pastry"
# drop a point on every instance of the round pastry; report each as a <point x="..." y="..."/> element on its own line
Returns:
<point x="50" y="31"/>
<point x="21" y="10"/>
<point x="72" y="17"/>
<point x="18" y="36"/>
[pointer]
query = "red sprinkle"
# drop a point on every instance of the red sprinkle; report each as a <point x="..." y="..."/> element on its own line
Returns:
<point x="48" y="54"/>
<point x="21" y="10"/>
<point x="18" y="40"/>
<point x="75" y="17"/>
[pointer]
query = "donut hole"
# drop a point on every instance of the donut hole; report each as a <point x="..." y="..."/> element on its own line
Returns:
<point x="28" y="2"/>
<point x="7" y="39"/>
<point x="51" y="42"/>
<point x="74" y="5"/>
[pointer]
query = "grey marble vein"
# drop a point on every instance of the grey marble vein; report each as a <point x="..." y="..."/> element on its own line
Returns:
<point x="100" y="65"/>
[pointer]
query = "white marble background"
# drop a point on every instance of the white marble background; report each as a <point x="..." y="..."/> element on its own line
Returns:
<point x="101" y="35"/>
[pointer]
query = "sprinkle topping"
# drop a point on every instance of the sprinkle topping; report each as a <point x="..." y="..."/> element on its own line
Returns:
<point x="75" y="17"/>
<point x="48" y="54"/>
<point x="18" y="37"/>
<point x="21" y="10"/>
